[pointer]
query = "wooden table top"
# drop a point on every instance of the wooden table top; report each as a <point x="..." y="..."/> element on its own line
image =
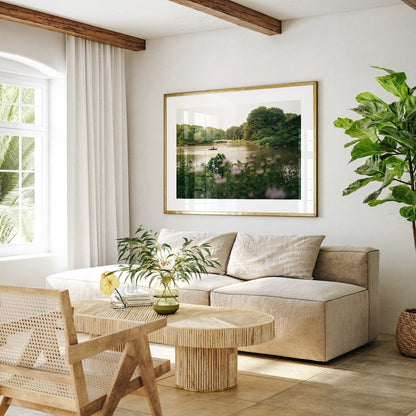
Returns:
<point x="191" y="326"/>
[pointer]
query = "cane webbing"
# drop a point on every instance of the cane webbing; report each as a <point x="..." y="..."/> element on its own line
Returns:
<point x="32" y="336"/>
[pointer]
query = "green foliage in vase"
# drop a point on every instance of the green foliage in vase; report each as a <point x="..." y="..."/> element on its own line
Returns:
<point x="142" y="256"/>
<point x="385" y="137"/>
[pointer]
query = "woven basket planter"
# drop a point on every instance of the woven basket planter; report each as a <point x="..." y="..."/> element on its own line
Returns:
<point x="406" y="332"/>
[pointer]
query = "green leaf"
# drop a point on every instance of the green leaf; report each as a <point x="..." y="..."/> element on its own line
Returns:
<point x="374" y="110"/>
<point x="390" y="71"/>
<point x="388" y="177"/>
<point x="402" y="137"/>
<point x="364" y="148"/>
<point x="351" y="143"/>
<point x="343" y="123"/>
<point x="396" y="164"/>
<point x="409" y="212"/>
<point x="402" y="193"/>
<point x="368" y="96"/>
<point x="410" y="106"/>
<point x="397" y="111"/>
<point x="373" y="196"/>
<point x="373" y="166"/>
<point x="388" y="144"/>
<point x="389" y="198"/>
<point x="359" y="183"/>
<point x="359" y="131"/>
<point x="395" y="83"/>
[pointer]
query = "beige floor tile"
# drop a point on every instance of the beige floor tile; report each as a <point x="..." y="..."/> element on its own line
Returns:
<point x="265" y="410"/>
<point x="167" y="381"/>
<point x="177" y="402"/>
<point x="249" y="387"/>
<point x="124" y="412"/>
<point x="383" y="345"/>
<point x="397" y="365"/>
<point x="328" y="401"/>
<point x="279" y="367"/>
<point x="255" y="388"/>
<point x="373" y="384"/>
<point x="380" y="347"/>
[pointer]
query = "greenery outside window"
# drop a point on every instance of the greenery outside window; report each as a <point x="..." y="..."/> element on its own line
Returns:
<point x="23" y="140"/>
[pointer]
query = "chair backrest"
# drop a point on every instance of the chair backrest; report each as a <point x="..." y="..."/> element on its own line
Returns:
<point x="31" y="329"/>
<point x="34" y="336"/>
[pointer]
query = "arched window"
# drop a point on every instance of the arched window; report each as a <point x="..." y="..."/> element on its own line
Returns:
<point x="23" y="164"/>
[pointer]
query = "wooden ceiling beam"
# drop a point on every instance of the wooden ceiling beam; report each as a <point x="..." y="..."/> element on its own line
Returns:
<point x="411" y="3"/>
<point x="69" y="27"/>
<point x="237" y="14"/>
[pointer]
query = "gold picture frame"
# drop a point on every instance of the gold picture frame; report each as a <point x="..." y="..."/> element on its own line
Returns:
<point x="242" y="151"/>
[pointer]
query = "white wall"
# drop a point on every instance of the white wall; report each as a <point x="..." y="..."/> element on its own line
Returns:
<point x="46" y="50"/>
<point x="335" y="50"/>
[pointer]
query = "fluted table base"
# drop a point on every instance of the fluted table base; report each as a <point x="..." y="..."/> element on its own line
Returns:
<point x="205" y="369"/>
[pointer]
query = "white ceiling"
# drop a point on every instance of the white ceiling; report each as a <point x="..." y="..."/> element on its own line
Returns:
<point x="156" y="18"/>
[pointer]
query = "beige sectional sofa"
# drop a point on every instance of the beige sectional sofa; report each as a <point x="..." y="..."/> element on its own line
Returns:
<point x="324" y="300"/>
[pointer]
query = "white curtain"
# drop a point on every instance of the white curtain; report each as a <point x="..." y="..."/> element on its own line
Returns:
<point x="98" y="198"/>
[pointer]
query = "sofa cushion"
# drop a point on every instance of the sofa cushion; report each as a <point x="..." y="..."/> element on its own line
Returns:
<point x="284" y="287"/>
<point x="261" y="255"/>
<point x="220" y="243"/>
<point x="198" y="291"/>
<point x="314" y="320"/>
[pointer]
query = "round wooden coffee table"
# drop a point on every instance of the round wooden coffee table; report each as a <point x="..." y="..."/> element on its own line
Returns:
<point x="206" y="341"/>
<point x="205" y="338"/>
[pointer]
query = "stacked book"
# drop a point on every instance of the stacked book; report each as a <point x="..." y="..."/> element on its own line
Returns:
<point x="138" y="298"/>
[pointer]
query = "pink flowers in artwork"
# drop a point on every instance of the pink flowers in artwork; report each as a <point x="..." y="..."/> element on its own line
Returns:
<point x="235" y="170"/>
<point x="198" y="169"/>
<point x="274" y="193"/>
<point x="219" y="179"/>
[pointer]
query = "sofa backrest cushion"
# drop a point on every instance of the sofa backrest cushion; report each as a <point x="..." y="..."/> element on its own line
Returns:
<point x="262" y="255"/>
<point x="221" y="244"/>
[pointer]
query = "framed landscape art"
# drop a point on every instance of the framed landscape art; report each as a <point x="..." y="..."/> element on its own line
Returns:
<point x="242" y="151"/>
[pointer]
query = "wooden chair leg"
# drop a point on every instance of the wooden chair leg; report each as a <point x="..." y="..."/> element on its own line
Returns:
<point x="4" y="405"/>
<point x="147" y="374"/>
<point x="121" y="381"/>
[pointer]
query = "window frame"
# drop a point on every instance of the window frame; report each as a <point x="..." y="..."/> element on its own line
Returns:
<point x="40" y="132"/>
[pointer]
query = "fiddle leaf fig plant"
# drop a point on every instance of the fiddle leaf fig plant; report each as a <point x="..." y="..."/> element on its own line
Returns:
<point x="385" y="139"/>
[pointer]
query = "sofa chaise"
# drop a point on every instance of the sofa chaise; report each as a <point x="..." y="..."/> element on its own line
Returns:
<point x="324" y="300"/>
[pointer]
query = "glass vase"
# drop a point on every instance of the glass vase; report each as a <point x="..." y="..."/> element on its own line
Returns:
<point x="165" y="297"/>
<point x="118" y="301"/>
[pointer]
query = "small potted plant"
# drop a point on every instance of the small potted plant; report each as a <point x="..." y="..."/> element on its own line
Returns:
<point x="142" y="257"/>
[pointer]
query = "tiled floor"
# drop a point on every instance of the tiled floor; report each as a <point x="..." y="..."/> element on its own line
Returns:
<point x="373" y="380"/>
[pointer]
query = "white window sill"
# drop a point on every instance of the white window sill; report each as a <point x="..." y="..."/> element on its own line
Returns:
<point x="28" y="256"/>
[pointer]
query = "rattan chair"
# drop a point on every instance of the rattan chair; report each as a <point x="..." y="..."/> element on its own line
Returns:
<point x="43" y="367"/>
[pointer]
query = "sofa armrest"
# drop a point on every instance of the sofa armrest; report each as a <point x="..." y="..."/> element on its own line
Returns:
<point x="346" y="264"/>
<point x="355" y="265"/>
